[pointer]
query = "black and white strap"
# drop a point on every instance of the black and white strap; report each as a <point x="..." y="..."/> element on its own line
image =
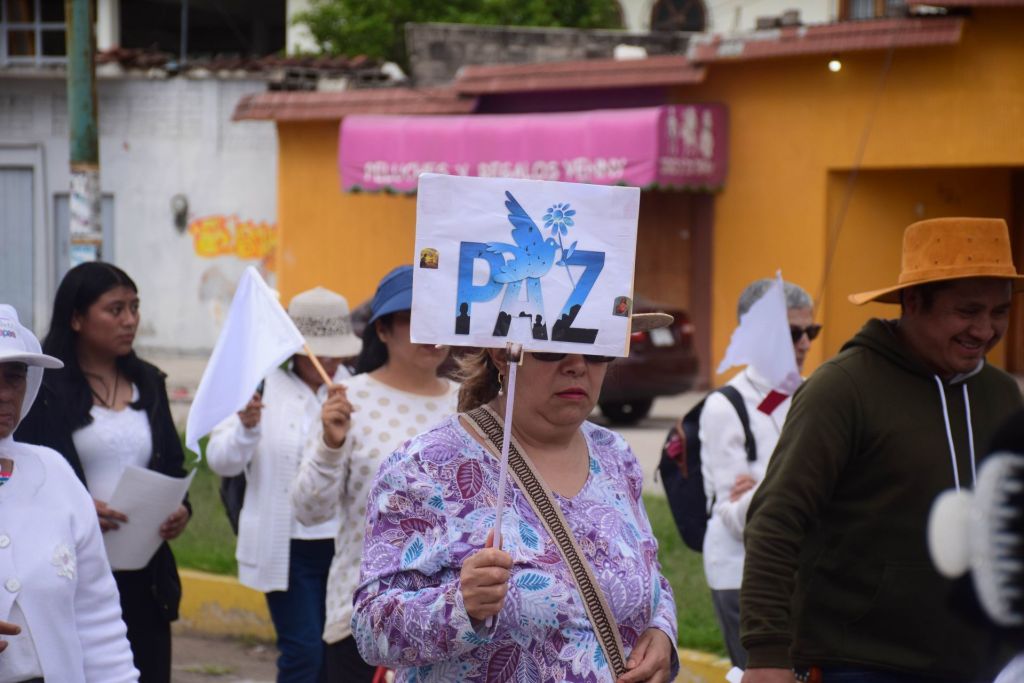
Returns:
<point x="490" y="427"/>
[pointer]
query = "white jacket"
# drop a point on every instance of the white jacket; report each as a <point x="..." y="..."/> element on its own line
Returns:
<point x="270" y="454"/>
<point x="723" y="456"/>
<point x="339" y="480"/>
<point x="53" y="563"/>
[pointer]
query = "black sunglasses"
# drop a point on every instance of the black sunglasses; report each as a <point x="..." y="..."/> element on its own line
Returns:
<point x="811" y="331"/>
<point x="555" y="357"/>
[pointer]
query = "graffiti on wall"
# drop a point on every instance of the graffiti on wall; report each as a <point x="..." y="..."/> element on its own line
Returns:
<point x="219" y="235"/>
<point x="228" y="235"/>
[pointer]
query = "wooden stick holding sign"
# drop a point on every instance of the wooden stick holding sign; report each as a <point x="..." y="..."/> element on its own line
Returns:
<point x="514" y="356"/>
<point x="319" y="367"/>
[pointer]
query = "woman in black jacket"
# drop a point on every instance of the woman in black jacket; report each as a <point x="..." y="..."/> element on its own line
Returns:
<point x="105" y="410"/>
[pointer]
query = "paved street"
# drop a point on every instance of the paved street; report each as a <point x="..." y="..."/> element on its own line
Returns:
<point x="202" y="659"/>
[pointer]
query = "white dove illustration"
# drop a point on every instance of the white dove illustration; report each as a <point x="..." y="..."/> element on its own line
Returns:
<point x="532" y="255"/>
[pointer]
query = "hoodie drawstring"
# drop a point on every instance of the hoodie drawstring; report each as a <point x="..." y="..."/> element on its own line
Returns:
<point x="949" y="433"/>
<point x="970" y="436"/>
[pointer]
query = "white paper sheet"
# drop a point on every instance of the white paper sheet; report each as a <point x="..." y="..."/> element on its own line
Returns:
<point x="147" y="498"/>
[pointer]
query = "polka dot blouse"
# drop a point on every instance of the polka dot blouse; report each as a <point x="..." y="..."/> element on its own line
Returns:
<point x="339" y="479"/>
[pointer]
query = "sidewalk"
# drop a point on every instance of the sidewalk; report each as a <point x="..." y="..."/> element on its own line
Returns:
<point x="183" y="375"/>
<point x="198" y="658"/>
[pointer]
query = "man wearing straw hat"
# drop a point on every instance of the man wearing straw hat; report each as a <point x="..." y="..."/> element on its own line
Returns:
<point x="838" y="583"/>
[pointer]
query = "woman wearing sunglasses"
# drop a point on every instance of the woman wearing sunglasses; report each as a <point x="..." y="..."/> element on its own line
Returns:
<point x="729" y="477"/>
<point x="431" y="578"/>
<point x="395" y="395"/>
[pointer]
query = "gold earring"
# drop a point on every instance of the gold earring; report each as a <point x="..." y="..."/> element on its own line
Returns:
<point x="501" y="384"/>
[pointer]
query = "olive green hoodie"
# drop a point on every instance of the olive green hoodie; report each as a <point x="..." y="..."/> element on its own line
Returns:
<point x="839" y="521"/>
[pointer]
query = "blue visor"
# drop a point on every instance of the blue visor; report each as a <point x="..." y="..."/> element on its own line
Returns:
<point x="394" y="293"/>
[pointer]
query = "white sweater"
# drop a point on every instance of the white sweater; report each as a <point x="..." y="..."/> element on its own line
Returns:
<point x="54" y="573"/>
<point x="723" y="456"/>
<point x="269" y="454"/>
<point x="333" y="479"/>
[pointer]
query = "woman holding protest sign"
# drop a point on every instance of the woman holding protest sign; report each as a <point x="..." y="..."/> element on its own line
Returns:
<point x="396" y="395"/>
<point x="591" y="606"/>
<point x="105" y="410"/>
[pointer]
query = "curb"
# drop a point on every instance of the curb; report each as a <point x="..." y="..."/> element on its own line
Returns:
<point x="220" y="606"/>
<point x="701" y="667"/>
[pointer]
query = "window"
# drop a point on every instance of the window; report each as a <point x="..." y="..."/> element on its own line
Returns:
<point x="215" y="27"/>
<point x="678" y="15"/>
<point x="854" y="10"/>
<point x="862" y="9"/>
<point x="32" y="32"/>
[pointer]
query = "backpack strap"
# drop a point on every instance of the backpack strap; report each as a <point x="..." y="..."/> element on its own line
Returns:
<point x="733" y="394"/>
<point x="489" y="425"/>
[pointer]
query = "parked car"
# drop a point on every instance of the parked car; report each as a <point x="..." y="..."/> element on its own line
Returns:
<point x="661" y="362"/>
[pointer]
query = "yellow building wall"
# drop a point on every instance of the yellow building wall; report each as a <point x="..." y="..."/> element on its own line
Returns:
<point x="339" y="240"/>
<point x="793" y="124"/>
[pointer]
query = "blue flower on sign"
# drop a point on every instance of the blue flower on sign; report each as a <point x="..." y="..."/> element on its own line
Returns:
<point x="558" y="219"/>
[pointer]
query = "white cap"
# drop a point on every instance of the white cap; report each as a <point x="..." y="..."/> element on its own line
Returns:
<point x="19" y="345"/>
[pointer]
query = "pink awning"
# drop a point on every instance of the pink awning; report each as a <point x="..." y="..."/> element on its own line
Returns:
<point x="681" y="146"/>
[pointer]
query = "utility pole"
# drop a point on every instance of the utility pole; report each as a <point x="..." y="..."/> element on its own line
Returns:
<point x="183" y="51"/>
<point x="86" y="230"/>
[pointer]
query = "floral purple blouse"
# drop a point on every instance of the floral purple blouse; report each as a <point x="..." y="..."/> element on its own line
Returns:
<point x="432" y="505"/>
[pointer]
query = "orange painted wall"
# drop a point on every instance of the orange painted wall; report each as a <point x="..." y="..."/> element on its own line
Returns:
<point x="793" y="123"/>
<point x="342" y="241"/>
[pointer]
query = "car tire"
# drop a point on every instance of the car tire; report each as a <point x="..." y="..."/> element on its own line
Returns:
<point x="627" y="412"/>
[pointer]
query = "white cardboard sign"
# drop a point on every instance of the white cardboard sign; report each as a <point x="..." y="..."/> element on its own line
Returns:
<point x="545" y="264"/>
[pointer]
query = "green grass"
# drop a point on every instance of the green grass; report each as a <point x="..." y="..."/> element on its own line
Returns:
<point x="684" y="569"/>
<point x="209" y="545"/>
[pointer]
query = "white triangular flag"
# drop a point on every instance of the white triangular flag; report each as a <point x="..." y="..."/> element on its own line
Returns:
<point x="763" y="341"/>
<point x="257" y="336"/>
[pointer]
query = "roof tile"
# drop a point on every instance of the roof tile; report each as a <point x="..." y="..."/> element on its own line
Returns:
<point x="968" y="3"/>
<point x="588" y="74"/>
<point x="847" y="36"/>
<point x="328" y="106"/>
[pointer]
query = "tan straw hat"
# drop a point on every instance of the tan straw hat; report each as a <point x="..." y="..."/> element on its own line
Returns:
<point x="322" y="317"/>
<point x="641" y="322"/>
<point x="950" y="249"/>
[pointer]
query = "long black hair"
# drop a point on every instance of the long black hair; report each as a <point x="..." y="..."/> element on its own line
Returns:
<point x="374" y="353"/>
<point x="80" y="288"/>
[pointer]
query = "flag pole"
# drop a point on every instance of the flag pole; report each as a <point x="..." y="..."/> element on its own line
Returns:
<point x="316" y="364"/>
<point x="514" y="356"/>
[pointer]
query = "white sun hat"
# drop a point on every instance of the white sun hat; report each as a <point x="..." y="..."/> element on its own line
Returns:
<point x="19" y="345"/>
<point x="322" y="317"/>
